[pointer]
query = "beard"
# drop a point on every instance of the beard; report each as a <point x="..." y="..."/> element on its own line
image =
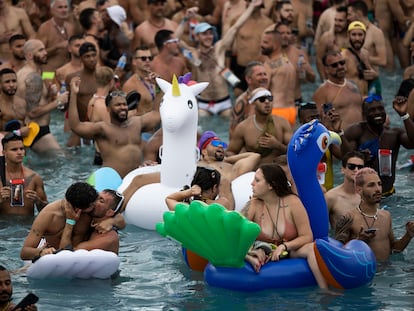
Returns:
<point x="18" y="57"/>
<point x="266" y="51"/>
<point x="9" y="92"/>
<point x="118" y="117"/>
<point x="357" y="45"/>
<point x="7" y="294"/>
<point x="40" y="60"/>
<point x="219" y="156"/>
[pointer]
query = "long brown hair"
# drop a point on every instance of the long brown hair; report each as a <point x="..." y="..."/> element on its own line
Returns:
<point x="276" y="177"/>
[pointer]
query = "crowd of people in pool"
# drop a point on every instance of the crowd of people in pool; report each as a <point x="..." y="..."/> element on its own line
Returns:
<point x="96" y="61"/>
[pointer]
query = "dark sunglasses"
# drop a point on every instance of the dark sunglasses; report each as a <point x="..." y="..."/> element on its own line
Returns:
<point x="307" y="105"/>
<point x="145" y="58"/>
<point x="353" y="166"/>
<point x="119" y="197"/>
<point x="262" y="99"/>
<point x="369" y="99"/>
<point x="335" y="65"/>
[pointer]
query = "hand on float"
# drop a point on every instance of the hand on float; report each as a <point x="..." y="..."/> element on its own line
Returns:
<point x="277" y="253"/>
<point x="47" y="251"/>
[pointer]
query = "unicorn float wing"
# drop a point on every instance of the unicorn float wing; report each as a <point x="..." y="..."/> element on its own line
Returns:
<point x="178" y="153"/>
<point x="346" y="266"/>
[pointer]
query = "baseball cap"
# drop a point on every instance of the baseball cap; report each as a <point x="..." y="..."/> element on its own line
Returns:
<point x="357" y="25"/>
<point x="202" y="27"/>
<point x="207" y="137"/>
<point x="86" y="47"/>
<point x="117" y="14"/>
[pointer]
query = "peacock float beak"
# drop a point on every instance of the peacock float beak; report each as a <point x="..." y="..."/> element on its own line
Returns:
<point x="335" y="138"/>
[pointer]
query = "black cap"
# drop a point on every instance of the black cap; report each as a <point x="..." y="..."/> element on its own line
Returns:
<point x="87" y="47"/>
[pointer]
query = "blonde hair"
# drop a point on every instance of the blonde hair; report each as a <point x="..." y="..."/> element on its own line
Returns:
<point x="103" y="75"/>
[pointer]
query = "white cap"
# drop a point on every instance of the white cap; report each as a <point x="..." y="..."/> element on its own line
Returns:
<point x="117" y="14"/>
<point x="259" y="92"/>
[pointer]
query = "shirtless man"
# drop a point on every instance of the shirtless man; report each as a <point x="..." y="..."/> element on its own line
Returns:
<point x="54" y="33"/>
<point x="304" y="71"/>
<point x="282" y="75"/>
<point x="358" y="66"/>
<point x="303" y="22"/>
<point x="255" y="76"/>
<point x="38" y="96"/>
<point x="335" y="40"/>
<point x="51" y="222"/>
<point x="215" y="99"/>
<point x="337" y="90"/>
<point x="24" y="188"/>
<point x="106" y="207"/>
<point x="168" y="62"/>
<point x="88" y="56"/>
<point x="374" y="41"/>
<point x="262" y="132"/>
<point x="144" y="34"/>
<point x="120" y="140"/>
<point x="75" y="63"/>
<point x="11" y="107"/>
<point x="373" y="135"/>
<point x="343" y="198"/>
<point x="142" y="81"/>
<point x="14" y="20"/>
<point x="246" y="46"/>
<point x="16" y="60"/>
<point x="371" y="224"/>
<point x="326" y="20"/>
<point x="232" y="10"/>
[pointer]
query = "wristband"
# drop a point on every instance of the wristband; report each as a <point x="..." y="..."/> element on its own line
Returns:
<point x="284" y="246"/>
<point x="17" y="132"/>
<point x="405" y="117"/>
<point x="71" y="222"/>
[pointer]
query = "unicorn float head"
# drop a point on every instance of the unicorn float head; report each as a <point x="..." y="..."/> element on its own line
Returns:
<point x="179" y="120"/>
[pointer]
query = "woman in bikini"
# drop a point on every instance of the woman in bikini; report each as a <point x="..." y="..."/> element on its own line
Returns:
<point x="283" y="221"/>
<point x="204" y="187"/>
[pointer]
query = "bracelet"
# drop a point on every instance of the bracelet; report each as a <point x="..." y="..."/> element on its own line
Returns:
<point x="341" y="133"/>
<point x="284" y="246"/>
<point x="405" y="117"/>
<point x="71" y="222"/>
<point x="17" y="132"/>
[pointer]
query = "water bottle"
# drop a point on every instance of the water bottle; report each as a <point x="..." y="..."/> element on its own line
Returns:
<point x="60" y="104"/>
<point x="189" y="55"/>
<point x="122" y="61"/>
<point x="301" y="70"/>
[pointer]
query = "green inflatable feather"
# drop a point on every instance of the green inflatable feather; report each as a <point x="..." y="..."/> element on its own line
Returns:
<point x="222" y="237"/>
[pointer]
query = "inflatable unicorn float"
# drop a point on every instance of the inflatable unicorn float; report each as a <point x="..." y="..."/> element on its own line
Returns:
<point x="223" y="237"/>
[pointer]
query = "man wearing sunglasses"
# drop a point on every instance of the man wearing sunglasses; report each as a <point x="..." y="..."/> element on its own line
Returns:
<point x="344" y="198"/>
<point x="379" y="142"/>
<point x="119" y="141"/>
<point x="106" y="206"/>
<point x="143" y="80"/>
<point x="50" y="230"/>
<point x="262" y="132"/>
<point x="212" y="154"/>
<point x="342" y="93"/>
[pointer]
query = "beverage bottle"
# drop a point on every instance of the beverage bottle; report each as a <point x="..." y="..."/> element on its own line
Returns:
<point x="60" y="104"/>
<point x="122" y="61"/>
<point x="301" y="70"/>
<point x="189" y="55"/>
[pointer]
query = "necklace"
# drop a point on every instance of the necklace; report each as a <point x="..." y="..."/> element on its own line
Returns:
<point x="257" y="125"/>
<point x="61" y="30"/>
<point x="336" y="84"/>
<point x="148" y="86"/>
<point x="274" y="223"/>
<point x="374" y="217"/>
<point x="162" y="24"/>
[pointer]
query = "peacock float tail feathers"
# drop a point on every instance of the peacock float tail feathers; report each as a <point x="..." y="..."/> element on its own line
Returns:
<point x="222" y="237"/>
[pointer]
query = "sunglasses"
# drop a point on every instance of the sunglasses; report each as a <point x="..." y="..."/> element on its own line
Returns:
<point x="262" y="99"/>
<point x="335" y="65"/>
<point x="118" y="197"/>
<point x="353" y="166"/>
<point x="218" y="143"/>
<point x="145" y="58"/>
<point x="117" y="93"/>
<point x="369" y="99"/>
<point x="175" y="40"/>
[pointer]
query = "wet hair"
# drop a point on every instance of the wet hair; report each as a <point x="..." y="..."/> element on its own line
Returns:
<point x="275" y="176"/>
<point x="6" y="71"/>
<point x="16" y="37"/>
<point x="161" y="36"/>
<point x="10" y="137"/>
<point x="118" y="199"/>
<point x="206" y="178"/>
<point x="330" y="53"/>
<point x="359" y="176"/>
<point x="352" y="154"/>
<point x="85" y="17"/>
<point x="103" y="75"/>
<point x="359" y="6"/>
<point x="81" y="195"/>
<point x="248" y="71"/>
<point x="75" y="37"/>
